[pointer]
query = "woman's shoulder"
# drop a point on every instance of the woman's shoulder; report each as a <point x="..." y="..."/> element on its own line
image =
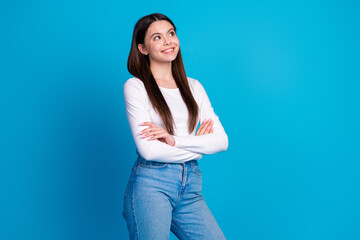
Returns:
<point x="134" y="81"/>
<point x="134" y="86"/>
<point x="194" y="83"/>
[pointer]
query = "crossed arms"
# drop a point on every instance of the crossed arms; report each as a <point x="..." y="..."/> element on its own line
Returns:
<point x="186" y="147"/>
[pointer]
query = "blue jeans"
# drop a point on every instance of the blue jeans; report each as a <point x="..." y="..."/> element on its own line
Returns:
<point x="160" y="197"/>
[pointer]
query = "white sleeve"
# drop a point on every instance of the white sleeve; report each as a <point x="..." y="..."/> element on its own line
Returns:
<point x="137" y="112"/>
<point x="208" y="143"/>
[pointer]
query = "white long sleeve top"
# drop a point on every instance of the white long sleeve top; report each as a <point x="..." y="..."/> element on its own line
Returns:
<point x="187" y="146"/>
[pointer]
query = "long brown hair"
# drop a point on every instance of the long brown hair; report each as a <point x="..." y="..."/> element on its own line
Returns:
<point x="139" y="66"/>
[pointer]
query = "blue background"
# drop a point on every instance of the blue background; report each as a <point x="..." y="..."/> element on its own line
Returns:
<point x="283" y="76"/>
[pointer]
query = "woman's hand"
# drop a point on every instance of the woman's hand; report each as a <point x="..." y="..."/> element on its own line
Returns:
<point x="155" y="132"/>
<point x="205" y="127"/>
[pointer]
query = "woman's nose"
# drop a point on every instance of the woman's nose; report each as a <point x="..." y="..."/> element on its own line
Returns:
<point x="167" y="41"/>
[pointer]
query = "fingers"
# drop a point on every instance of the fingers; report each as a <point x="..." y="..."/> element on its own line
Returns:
<point x="150" y="124"/>
<point x="205" y="127"/>
<point x="147" y="124"/>
<point x="208" y="127"/>
<point x="158" y="132"/>
<point x="150" y="128"/>
<point x="152" y="133"/>
<point x="156" y="136"/>
<point x="202" y="127"/>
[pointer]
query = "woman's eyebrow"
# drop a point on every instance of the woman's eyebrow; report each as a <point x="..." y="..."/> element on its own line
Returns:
<point x="159" y="33"/>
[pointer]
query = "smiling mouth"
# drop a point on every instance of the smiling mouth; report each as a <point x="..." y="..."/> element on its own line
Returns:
<point x="171" y="50"/>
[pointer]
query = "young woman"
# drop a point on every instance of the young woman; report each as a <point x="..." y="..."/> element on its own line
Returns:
<point x="164" y="107"/>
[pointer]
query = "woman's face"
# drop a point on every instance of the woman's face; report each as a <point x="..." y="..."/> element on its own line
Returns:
<point x="160" y="43"/>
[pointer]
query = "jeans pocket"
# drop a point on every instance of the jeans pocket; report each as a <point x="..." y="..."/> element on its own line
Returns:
<point x="152" y="164"/>
<point x="197" y="170"/>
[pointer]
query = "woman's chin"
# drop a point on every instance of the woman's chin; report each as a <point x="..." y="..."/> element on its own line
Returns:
<point x="165" y="60"/>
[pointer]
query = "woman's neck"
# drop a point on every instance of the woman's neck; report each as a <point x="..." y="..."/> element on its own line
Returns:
<point x="162" y="72"/>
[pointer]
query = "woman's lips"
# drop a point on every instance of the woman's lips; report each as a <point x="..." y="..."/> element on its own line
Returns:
<point x="168" y="51"/>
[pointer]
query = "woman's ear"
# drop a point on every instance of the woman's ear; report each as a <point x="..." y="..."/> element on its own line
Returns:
<point x="142" y="49"/>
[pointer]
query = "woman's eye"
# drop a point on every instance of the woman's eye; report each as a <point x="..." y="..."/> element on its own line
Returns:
<point x="156" y="38"/>
<point x="172" y="33"/>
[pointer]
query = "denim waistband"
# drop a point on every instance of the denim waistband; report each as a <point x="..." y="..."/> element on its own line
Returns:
<point x="140" y="159"/>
